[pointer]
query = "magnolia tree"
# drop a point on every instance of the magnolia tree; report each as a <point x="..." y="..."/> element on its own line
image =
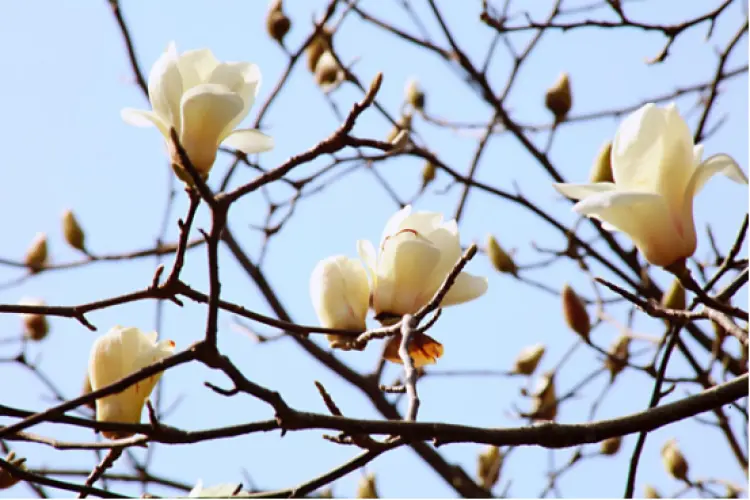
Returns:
<point x="269" y="344"/>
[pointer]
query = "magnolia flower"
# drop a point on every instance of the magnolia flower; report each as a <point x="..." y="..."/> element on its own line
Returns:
<point x="203" y="100"/>
<point x="340" y="293"/>
<point x="417" y="252"/>
<point x="115" y="355"/>
<point x="657" y="172"/>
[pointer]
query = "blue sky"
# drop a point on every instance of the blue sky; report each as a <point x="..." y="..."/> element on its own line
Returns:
<point x="65" y="146"/>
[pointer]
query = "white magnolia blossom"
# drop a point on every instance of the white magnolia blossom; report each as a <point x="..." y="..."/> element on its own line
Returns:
<point x="417" y="251"/>
<point x="340" y="293"/>
<point x="657" y="172"/>
<point x="115" y="355"/>
<point x="203" y="99"/>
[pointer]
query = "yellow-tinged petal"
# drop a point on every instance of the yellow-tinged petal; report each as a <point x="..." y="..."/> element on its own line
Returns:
<point x="466" y="287"/>
<point x="206" y="111"/>
<point x="423" y="350"/>
<point x="582" y="191"/>
<point x="249" y="141"/>
<point x="340" y="292"/>
<point x="165" y="87"/>
<point x="195" y="67"/>
<point x="404" y="269"/>
<point x="659" y="234"/>
<point x="143" y="118"/>
<point x="717" y="164"/>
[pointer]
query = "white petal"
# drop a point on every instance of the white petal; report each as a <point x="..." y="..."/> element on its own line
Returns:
<point x="249" y="141"/>
<point x="143" y="118"/>
<point x="165" y="86"/>
<point x="653" y="152"/>
<point x="340" y="292"/>
<point x="195" y="67"/>
<point x="662" y="236"/>
<point x="582" y="191"/>
<point x="206" y="111"/>
<point x="404" y="270"/>
<point x="368" y="254"/>
<point x="394" y="223"/>
<point x="466" y="287"/>
<point x="242" y="78"/>
<point x="717" y="164"/>
<point x="698" y="154"/>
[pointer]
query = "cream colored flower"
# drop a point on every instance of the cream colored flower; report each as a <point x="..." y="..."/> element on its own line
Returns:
<point x="203" y="100"/>
<point x="115" y="355"/>
<point x="417" y="251"/>
<point x="657" y="171"/>
<point x="340" y="293"/>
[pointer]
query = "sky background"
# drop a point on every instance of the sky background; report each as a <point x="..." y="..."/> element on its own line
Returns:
<point x="64" y="146"/>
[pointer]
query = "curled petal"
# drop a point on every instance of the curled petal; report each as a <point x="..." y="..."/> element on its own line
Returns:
<point x="662" y="236"/>
<point x="206" y="111"/>
<point x="582" y="191"/>
<point x="249" y="141"/>
<point x="717" y="164"/>
<point x="142" y="118"/>
<point x="466" y="287"/>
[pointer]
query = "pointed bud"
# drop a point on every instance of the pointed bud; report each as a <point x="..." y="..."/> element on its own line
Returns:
<point x="321" y="43"/>
<point x="328" y="73"/>
<point x="544" y="404"/>
<point x="36" y="255"/>
<point x="403" y="123"/>
<point x="277" y="24"/>
<point x="428" y="174"/>
<point x="602" y="169"/>
<point x="72" y="231"/>
<point x="650" y="492"/>
<point x="674" y="297"/>
<point x="732" y="491"/>
<point x="414" y="95"/>
<point x="35" y="325"/>
<point x="574" y="312"/>
<point x="559" y="98"/>
<point x="366" y="487"/>
<point x="7" y="480"/>
<point x="489" y="463"/>
<point x="618" y="356"/>
<point x="500" y="259"/>
<point x="674" y="461"/>
<point x="400" y="141"/>
<point x="611" y="445"/>
<point x="528" y="359"/>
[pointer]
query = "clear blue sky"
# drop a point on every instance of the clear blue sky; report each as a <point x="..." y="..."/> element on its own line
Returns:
<point x="65" y="146"/>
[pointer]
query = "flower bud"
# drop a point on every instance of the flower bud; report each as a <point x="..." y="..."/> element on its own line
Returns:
<point x="611" y="445"/>
<point x="322" y="42"/>
<point x="528" y="359"/>
<point x="618" y="356"/>
<point x="72" y="231"/>
<point x="559" y="98"/>
<point x="7" y="480"/>
<point x="574" y="312"/>
<point x="428" y="173"/>
<point x="36" y="255"/>
<point x="400" y="141"/>
<point x="674" y="297"/>
<point x="403" y="123"/>
<point x="500" y="259"/>
<point x="489" y="463"/>
<point x="277" y="24"/>
<point x="414" y="95"/>
<point x="544" y="404"/>
<point x="732" y="491"/>
<point x="328" y="73"/>
<point x="650" y="492"/>
<point x="674" y="461"/>
<point x="366" y="487"/>
<point x="35" y="325"/>
<point x="602" y="169"/>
